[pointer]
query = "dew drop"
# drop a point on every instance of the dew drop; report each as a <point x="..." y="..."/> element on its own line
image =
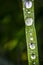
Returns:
<point x="28" y="4"/>
<point x="29" y="12"/>
<point x="29" y="21"/>
<point x="33" y="56"/>
<point x="31" y="34"/>
<point x="31" y="38"/>
<point x="32" y="46"/>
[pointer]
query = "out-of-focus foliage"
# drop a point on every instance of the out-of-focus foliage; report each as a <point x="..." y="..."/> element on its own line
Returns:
<point x="12" y="32"/>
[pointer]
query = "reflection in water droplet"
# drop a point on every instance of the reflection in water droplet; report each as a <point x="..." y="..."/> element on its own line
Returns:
<point x="32" y="46"/>
<point x="29" y="21"/>
<point x="31" y="34"/>
<point x="31" y="38"/>
<point x="28" y="4"/>
<point x="29" y="12"/>
<point x="33" y="56"/>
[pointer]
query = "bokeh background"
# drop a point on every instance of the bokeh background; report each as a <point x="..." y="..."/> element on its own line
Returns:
<point x="13" y="49"/>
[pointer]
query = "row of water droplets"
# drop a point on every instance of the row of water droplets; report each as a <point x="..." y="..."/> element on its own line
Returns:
<point x="29" y="22"/>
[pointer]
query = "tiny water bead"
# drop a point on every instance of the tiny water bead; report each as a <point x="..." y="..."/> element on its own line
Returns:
<point x="28" y="4"/>
<point x="32" y="46"/>
<point x="30" y="34"/>
<point x="33" y="56"/>
<point x="33" y="63"/>
<point x="28" y="21"/>
<point x="31" y="38"/>
<point x="29" y="12"/>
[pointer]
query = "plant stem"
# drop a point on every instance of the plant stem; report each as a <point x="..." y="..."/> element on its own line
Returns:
<point x="31" y="39"/>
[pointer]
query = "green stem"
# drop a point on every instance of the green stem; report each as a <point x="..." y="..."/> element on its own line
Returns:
<point x="31" y="39"/>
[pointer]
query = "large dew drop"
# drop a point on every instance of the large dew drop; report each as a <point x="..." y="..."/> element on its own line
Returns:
<point x="28" y="4"/>
<point x="33" y="56"/>
<point x="32" y="46"/>
<point x="29" y="22"/>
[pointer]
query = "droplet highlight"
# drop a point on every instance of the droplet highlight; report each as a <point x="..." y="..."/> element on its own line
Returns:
<point x="28" y="4"/>
<point x="32" y="46"/>
<point x="28" y="21"/>
<point x="33" y="56"/>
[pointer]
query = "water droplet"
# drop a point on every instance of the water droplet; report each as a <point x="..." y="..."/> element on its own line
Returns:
<point x="33" y="63"/>
<point x="31" y="38"/>
<point x="31" y="34"/>
<point x="33" y="56"/>
<point x="29" y="21"/>
<point x="32" y="46"/>
<point x="28" y="4"/>
<point x="29" y="12"/>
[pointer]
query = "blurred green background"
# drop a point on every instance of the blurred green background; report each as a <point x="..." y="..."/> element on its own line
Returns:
<point x="13" y="49"/>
